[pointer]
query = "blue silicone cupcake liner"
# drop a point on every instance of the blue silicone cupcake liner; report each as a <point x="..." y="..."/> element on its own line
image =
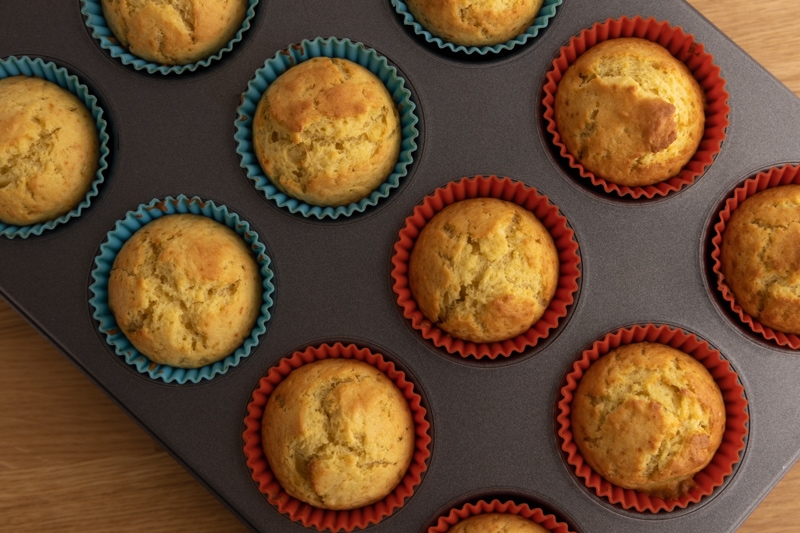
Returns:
<point x="116" y="238"/>
<point x="546" y="12"/>
<point x="92" y="11"/>
<point x="280" y="63"/>
<point x="25" y="66"/>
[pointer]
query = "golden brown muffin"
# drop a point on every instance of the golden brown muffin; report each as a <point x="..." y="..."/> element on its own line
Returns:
<point x="630" y="112"/>
<point x="760" y="257"/>
<point x="475" y="22"/>
<point x="497" y="523"/>
<point x="484" y="270"/>
<point x="648" y="417"/>
<point x="327" y="132"/>
<point x="185" y="290"/>
<point x="49" y="150"/>
<point x="338" y="434"/>
<point x="175" y="32"/>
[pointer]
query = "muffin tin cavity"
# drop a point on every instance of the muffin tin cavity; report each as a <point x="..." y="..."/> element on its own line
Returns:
<point x="333" y="48"/>
<point x="47" y="70"/>
<point x="116" y="238"/>
<point x="727" y="457"/>
<point x="681" y="45"/>
<point x="95" y="21"/>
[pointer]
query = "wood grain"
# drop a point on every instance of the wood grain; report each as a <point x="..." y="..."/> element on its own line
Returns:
<point x="71" y="460"/>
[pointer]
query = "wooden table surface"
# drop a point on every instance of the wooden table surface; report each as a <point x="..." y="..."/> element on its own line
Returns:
<point x="71" y="460"/>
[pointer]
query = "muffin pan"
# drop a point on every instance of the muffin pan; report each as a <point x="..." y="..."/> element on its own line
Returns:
<point x="493" y="427"/>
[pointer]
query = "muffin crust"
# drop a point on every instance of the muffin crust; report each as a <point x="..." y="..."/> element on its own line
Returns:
<point x="327" y="132"/>
<point x="497" y="523"/>
<point x="484" y="270"/>
<point x="630" y="112"/>
<point x="174" y="32"/>
<point x="185" y="290"/>
<point x="338" y="434"/>
<point x="760" y="257"/>
<point x="49" y="150"/>
<point x="648" y="417"/>
<point x="475" y="22"/>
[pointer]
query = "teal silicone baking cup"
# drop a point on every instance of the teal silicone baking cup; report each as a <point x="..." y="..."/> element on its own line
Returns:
<point x="104" y="261"/>
<point x="546" y="13"/>
<point x="37" y="67"/>
<point x="92" y="11"/>
<point x="334" y="48"/>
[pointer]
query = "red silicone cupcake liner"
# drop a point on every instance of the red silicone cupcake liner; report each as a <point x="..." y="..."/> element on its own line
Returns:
<point x="455" y="516"/>
<point x="302" y="512"/>
<point x="504" y="189"/>
<point x="733" y="440"/>
<point x="774" y="177"/>
<point x="683" y="47"/>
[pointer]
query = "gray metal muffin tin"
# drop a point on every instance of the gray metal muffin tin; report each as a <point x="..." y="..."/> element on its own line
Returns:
<point x="493" y="423"/>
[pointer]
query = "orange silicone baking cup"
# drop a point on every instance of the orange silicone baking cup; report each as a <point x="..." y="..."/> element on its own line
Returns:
<point x="680" y="45"/>
<point x="504" y="189"/>
<point x="774" y="177"/>
<point x="733" y="440"/>
<point x="302" y="512"/>
<point x="534" y="514"/>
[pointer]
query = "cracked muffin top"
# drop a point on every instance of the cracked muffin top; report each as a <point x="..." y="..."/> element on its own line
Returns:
<point x="497" y="523"/>
<point x="49" y="150"/>
<point x="484" y="270"/>
<point x="760" y="257"/>
<point x="338" y="434"/>
<point x="475" y="22"/>
<point x="327" y="132"/>
<point x="185" y="290"/>
<point x="174" y="32"/>
<point x="630" y="112"/>
<point x="648" y="417"/>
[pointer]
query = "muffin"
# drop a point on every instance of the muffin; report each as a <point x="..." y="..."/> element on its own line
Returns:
<point x="760" y="257"/>
<point x="327" y="132"/>
<point x="648" y="417"/>
<point x="338" y="434"/>
<point x="49" y="150"/>
<point x="471" y="23"/>
<point x="174" y="33"/>
<point x="185" y="290"/>
<point x="497" y="523"/>
<point x="483" y="270"/>
<point x="630" y="112"/>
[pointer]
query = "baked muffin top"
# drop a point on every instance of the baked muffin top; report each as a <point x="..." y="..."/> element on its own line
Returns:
<point x="49" y="150"/>
<point x="338" y="434"/>
<point x="648" y="417"/>
<point x="760" y="257"/>
<point x="475" y="22"/>
<point x="327" y="132"/>
<point x="630" y="112"/>
<point x="185" y="290"/>
<point x="484" y="270"/>
<point x="174" y="33"/>
<point x="497" y="523"/>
